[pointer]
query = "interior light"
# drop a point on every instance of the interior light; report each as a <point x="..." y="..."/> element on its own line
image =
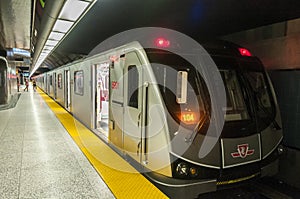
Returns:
<point x="162" y="42"/>
<point x="245" y="52"/>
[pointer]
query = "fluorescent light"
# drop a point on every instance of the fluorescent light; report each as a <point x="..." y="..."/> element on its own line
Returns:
<point x="62" y="25"/>
<point x="73" y="9"/>
<point x="70" y="15"/>
<point x="45" y="51"/>
<point x="48" y="47"/>
<point x="56" y="35"/>
<point x="51" y="42"/>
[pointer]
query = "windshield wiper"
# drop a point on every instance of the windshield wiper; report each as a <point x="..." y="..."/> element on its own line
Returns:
<point x="267" y="112"/>
<point x="255" y="102"/>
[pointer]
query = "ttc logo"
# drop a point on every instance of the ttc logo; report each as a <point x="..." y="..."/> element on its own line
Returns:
<point x="242" y="151"/>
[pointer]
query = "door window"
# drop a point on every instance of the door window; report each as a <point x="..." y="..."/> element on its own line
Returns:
<point x="133" y="83"/>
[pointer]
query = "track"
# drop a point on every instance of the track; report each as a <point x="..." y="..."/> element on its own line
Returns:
<point x="262" y="189"/>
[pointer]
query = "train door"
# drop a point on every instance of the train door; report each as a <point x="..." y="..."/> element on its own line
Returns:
<point x="101" y="86"/>
<point x="67" y="88"/>
<point x="54" y="85"/>
<point x="133" y="102"/>
<point x="49" y="83"/>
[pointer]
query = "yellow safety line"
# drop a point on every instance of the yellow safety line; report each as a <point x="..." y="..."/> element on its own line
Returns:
<point x="123" y="184"/>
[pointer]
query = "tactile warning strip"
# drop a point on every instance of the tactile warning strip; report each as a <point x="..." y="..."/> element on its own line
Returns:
<point x="122" y="179"/>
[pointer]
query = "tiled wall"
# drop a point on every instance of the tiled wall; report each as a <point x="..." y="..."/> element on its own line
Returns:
<point x="287" y="87"/>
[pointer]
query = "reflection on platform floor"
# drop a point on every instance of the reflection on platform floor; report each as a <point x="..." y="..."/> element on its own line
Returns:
<point x="38" y="159"/>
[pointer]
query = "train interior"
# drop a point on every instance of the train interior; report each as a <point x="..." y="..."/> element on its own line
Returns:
<point x="102" y="98"/>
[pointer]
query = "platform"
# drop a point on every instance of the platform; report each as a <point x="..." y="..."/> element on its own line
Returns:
<point x="39" y="158"/>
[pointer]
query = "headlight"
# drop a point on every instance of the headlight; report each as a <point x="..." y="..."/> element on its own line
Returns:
<point x="182" y="169"/>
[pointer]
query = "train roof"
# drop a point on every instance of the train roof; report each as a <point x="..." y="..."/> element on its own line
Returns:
<point x="222" y="47"/>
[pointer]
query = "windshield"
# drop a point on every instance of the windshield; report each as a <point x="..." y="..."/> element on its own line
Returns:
<point x="181" y="87"/>
<point x="187" y="98"/>
<point x="236" y="108"/>
<point x="261" y="94"/>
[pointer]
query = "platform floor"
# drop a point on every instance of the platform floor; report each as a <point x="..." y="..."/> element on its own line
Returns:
<point x="39" y="159"/>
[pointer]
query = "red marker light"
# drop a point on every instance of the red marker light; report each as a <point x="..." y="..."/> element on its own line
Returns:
<point x="245" y="52"/>
<point x="113" y="58"/>
<point x="162" y="42"/>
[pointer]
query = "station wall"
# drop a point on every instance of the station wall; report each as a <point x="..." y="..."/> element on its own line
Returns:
<point x="287" y="87"/>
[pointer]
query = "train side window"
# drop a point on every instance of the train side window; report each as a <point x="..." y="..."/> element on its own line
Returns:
<point x="59" y="78"/>
<point x="133" y="85"/>
<point x="78" y="82"/>
<point x="50" y="80"/>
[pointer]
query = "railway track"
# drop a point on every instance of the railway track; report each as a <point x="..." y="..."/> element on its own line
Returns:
<point x="261" y="189"/>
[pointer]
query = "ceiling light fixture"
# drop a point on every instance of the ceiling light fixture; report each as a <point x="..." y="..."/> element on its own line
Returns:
<point x="70" y="14"/>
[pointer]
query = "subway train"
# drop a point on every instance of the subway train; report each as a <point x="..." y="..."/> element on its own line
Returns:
<point x="8" y="82"/>
<point x="190" y="128"/>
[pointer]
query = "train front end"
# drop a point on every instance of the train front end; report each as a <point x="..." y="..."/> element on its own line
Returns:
<point x="209" y="152"/>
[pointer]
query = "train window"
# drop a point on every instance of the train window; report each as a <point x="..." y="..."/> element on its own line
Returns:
<point x="59" y="78"/>
<point x="78" y="82"/>
<point x="236" y="108"/>
<point x="133" y="85"/>
<point x="50" y="80"/>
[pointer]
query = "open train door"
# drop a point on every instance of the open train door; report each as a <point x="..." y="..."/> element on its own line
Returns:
<point x="101" y="97"/>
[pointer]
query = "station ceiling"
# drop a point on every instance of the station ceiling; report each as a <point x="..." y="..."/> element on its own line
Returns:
<point x="20" y="22"/>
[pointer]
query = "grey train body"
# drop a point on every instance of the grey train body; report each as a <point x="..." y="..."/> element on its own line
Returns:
<point x="145" y="111"/>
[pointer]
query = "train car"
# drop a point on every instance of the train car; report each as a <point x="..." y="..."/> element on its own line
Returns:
<point x="156" y="108"/>
<point x="8" y="82"/>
